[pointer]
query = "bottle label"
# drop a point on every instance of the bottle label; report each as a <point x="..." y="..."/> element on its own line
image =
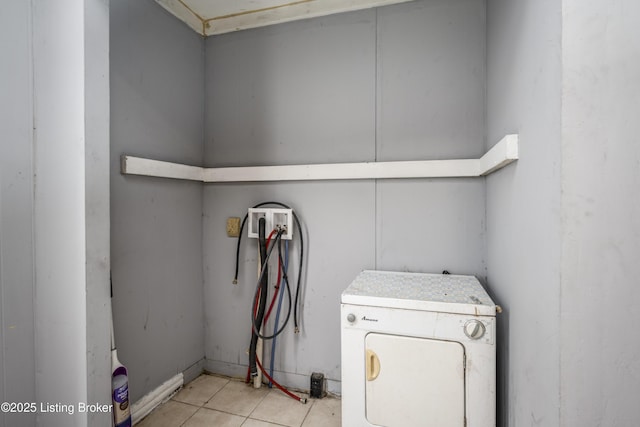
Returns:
<point x="121" y="409"/>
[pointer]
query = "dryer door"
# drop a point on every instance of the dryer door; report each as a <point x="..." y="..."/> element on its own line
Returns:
<point x="413" y="382"/>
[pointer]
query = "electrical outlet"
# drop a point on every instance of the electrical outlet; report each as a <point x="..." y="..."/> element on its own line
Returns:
<point x="233" y="227"/>
<point x="318" y="387"/>
<point x="274" y="218"/>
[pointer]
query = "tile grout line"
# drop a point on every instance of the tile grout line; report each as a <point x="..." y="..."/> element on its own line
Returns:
<point x="277" y="392"/>
<point x="258" y="404"/>
<point x="200" y="406"/>
<point x="310" y="403"/>
<point x="305" y="417"/>
<point x="309" y="410"/>
<point x="262" y="421"/>
<point x="191" y="416"/>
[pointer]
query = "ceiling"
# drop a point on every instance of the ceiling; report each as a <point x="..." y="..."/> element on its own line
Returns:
<point x="210" y="17"/>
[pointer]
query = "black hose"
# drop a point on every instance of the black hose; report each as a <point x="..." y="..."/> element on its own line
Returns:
<point x="244" y="221"/>
<point x="255" y="325"/>
<point x="263" y="284"/>
<point x="296" y="320"/>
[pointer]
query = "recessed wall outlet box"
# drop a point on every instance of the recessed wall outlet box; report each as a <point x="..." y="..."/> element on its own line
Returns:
<point x="275" y="218"/>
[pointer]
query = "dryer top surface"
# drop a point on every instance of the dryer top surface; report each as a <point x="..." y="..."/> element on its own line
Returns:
<point x="419" y="291"/>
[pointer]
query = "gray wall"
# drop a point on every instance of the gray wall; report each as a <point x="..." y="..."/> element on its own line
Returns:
<point x="17" y="334"/>
<point x="523" y="206"/>
<point x="70" y="194"/>
<point x="59" y="206"/>
<point x="54" y="246"/>
<point x="563" y="234"/>
<point x="401" y="82"/>
<point x="157" y="76"/>
<point x="600" y="351"/>
<point x="97" y="224"/>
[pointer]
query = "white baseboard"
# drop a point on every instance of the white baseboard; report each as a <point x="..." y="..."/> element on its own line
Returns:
<point x="149" y="402"/>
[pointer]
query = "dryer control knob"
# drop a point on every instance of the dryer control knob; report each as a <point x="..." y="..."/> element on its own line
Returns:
<point x="351" y="317"/>
<point x="474" y="329"/>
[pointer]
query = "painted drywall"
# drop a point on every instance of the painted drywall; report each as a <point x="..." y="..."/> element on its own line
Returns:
<point x="600" y="353"/>
<point x="157" y="76"/>
<point x="17" y="333"/>
<point x="227" y="317"/>
<point x="361" y="86"/>
<point x="59" y="208"/>
<point x="70" y="266"/>
<point x="430" y="71"/>
<point x="295" y="93"/>
<point x="523" y="206"/>
<point x="97" y="212"/>
<point x="54" y="254"/>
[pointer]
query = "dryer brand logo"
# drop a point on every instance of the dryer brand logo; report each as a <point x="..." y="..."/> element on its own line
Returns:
<point x="368" y="319"/>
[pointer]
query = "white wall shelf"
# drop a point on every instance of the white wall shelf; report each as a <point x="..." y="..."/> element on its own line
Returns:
<point x="500" y="155"/>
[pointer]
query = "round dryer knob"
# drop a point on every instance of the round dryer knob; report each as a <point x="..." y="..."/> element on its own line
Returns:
<point x="351" y="317"/>
<point x="474" y="329"/>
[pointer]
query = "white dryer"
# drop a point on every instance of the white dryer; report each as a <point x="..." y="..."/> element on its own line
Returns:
<point x="418" y="350"/>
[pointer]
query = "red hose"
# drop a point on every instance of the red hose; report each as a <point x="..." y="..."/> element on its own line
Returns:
<point x="284" y="390"/>
<point x="270" y="236"/>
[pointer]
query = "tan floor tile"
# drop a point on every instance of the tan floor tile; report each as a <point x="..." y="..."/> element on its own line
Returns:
<point x="325" y="412"/>
<point x="200" y="390"/>
<point x="237" y="398"/>
<point x="272" y="408"/>
<point x="257" y="423"/>
<point x="170" y="414"/>
<point x="278" y="408"/>
<point x="208" y="418"/>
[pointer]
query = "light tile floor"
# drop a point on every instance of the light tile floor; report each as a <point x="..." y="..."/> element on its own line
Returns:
<point x="211" y="400"/>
